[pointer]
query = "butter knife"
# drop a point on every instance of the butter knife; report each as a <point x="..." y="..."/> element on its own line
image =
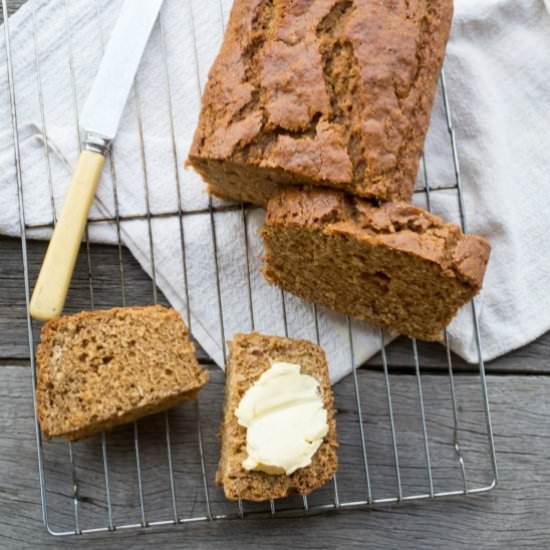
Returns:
<point x="99" y="124"/>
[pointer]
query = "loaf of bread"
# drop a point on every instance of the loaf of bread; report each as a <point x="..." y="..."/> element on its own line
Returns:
<point x="99" y="369"/>
<point x="250" y="356"/>
<point x="334" y="93"/>
<point x="395" y="266"/>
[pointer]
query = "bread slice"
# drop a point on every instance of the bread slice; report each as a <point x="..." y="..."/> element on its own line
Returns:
<point x="99" y="369"/>
<point x="250" y="356"/>
<point x="395" y="266"/>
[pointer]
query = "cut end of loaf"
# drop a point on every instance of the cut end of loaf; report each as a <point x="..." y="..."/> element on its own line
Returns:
<point x="234" y="181"/>
<point x="251" y="355"/>
<point x="100" y="369"/>
<point x="395" y="266"/>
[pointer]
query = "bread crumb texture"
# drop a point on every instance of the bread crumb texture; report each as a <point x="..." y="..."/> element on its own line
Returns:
<point x="396" y="265"/>
<point x="321" y="92"/>
<point x="99" y="369"/>
<point x="250" y="356"/>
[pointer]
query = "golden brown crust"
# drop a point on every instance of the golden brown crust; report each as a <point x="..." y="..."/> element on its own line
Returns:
<point x="396" y="265"/>
<point x="99" y="369"/>
<point x="251" y="355"/>
<point x="322" y="92"/>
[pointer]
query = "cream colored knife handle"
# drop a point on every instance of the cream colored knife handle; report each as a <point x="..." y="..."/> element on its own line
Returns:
<point x="55" y="275"/>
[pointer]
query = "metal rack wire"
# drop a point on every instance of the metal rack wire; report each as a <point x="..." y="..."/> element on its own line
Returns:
<point x="215" y="508"/>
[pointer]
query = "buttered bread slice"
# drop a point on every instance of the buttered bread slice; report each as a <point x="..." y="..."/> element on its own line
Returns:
<point x="279" y="429"/>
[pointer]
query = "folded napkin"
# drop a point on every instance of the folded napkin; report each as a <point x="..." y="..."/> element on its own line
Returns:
<point x="498" y="79"/>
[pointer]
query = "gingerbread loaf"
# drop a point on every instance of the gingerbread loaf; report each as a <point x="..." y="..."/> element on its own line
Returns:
<point x="395" y="265"/>
<point x="333" y="93"/>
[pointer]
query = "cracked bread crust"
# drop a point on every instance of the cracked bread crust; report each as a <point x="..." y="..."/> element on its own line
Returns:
<point x="335" y="93"/>
<point x="396" y="265"/>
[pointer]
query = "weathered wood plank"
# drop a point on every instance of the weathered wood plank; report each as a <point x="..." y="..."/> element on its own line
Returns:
<point x="512" y="516"/>
<point x="13" y="342"/>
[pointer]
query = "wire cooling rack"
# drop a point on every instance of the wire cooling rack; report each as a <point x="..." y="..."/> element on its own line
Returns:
<point x="159" y="471"/>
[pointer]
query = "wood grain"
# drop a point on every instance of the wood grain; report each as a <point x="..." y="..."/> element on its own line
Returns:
<point x="513" y="516"/>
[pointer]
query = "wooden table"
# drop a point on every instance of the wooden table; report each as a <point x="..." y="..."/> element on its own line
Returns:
<point x="514" y="515"/>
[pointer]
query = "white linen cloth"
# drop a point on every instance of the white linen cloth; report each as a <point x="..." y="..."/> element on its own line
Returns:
<point x="498" y="78"/>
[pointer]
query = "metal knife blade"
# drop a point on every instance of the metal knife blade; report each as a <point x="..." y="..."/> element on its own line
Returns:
<point x="105" y="103"/>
